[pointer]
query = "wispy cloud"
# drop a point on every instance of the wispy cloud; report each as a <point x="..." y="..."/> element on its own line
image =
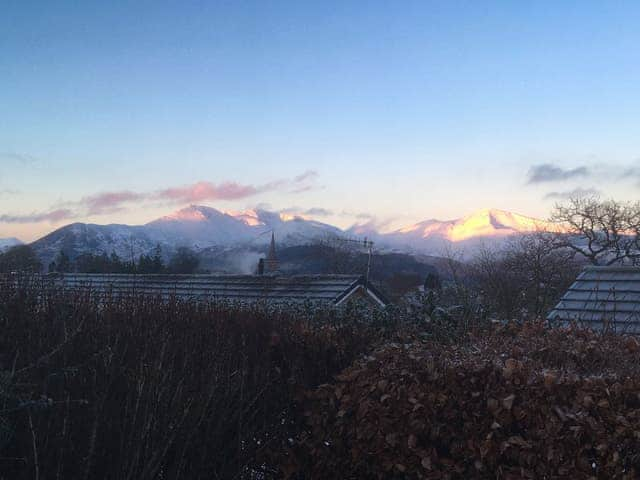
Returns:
<point x="318" y="212"/>
<point x="325" y="212"/>
<point x="18" y="157"/>
<point x="548" y="172"/>
<point x="304" y="182"/>
<point x="575" y="193"/>
<point x="303" y="188"/>
<point x="109" y="202"/>
<point x="202" y="191"/>
<point x="312" y="212"/>
<point x="117" y="201"/>
<point x="370" y="225"/>
<point x="305" y="176"/>
<point x="364" y="216"/>
<point x="52" y="216"/>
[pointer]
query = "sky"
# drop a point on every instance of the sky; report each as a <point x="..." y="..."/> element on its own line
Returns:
<point x="348" y="112"/>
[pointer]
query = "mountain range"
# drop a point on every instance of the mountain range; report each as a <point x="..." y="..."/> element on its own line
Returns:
<point x="206" y="229"/>
<point x="486" y="226"/>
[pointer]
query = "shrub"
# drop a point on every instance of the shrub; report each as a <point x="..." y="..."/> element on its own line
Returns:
<point x="141" y="388"/>
<point x="520" y="402"/>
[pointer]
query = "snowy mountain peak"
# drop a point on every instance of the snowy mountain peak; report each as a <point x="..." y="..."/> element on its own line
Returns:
<point x="491" y="222"/>
<point x="486" y="222"/>
<point x="201" y="226"/>
<point x="192" y="213"/>
<point x="251" y="217"/>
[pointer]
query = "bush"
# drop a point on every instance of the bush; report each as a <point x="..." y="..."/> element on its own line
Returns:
<point x="520" y="402"/>
<point x="139" y="388"/>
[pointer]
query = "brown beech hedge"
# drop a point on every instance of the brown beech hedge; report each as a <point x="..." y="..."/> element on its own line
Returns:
<point x="519" y="402"/>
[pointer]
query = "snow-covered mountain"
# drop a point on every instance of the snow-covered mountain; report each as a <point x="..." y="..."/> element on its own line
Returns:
<point x="6" y="243"/>
<point x="203" y="228"/>
<point x="483" y="226"/>
<point x="197" y="227"/>
<point x="78" y="238"/>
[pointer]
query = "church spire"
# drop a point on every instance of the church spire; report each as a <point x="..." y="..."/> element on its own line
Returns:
<point x="271" y="263"/>
<point x="272" y="248"/>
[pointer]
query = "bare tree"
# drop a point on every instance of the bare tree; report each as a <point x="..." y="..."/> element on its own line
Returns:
<point x="454" y="262"/>
<point x="604" y="232"/>
<point x="498" y="287"/>
<point x="524" y="278"/>
<point x="543" y="270"/>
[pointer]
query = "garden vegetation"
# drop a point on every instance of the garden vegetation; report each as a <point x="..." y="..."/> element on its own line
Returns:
<point x="145" y="388"/>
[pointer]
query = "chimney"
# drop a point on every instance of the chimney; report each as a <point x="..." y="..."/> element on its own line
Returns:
<point x="261" y="266"/>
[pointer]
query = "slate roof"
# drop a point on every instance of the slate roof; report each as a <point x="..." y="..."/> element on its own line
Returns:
<point x="602" y="297"/>
<point x="330" y="289"/>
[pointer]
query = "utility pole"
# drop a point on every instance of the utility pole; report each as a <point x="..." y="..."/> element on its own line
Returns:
<point x="368" y="245"/>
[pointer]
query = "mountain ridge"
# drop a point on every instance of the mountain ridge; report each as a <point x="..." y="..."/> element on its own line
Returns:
<point x="201" y="227"/>
<point x="484" y="222"/>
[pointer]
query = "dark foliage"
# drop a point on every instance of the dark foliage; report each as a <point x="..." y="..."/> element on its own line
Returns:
<point x="184" y="261"/>
<point x="20" y="258"/>
<point x="399" y="284"/>
<point x="138" y="388"/>
<point x="103" y="263"/>
<point x="128" y="388"/>
<point x="518" y="402"/>
<point x="61" y="264"/>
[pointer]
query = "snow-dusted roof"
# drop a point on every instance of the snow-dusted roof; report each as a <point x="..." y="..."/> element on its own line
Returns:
<point x="602" y="297"/>
<point x="332" y="289"/>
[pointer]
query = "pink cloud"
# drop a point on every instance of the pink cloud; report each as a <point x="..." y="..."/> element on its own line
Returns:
<point x="200" y="191"/>
<point x="207" y="191"/>
<point x="109" y="202"/>
<point x="52" y="216"/>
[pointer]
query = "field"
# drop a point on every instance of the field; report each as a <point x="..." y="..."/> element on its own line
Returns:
<point x="139" y="388"/>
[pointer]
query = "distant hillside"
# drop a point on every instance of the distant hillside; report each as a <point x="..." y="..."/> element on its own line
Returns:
<point x="78" y="238"/>
<point x="6" y="243"/>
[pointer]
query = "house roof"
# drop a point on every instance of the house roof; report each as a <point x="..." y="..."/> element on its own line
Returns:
<point x="602" y="297"/>
<point x="333" y="289"/>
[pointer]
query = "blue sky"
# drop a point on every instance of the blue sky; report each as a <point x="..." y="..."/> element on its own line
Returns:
<point x="398" y="111"/>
